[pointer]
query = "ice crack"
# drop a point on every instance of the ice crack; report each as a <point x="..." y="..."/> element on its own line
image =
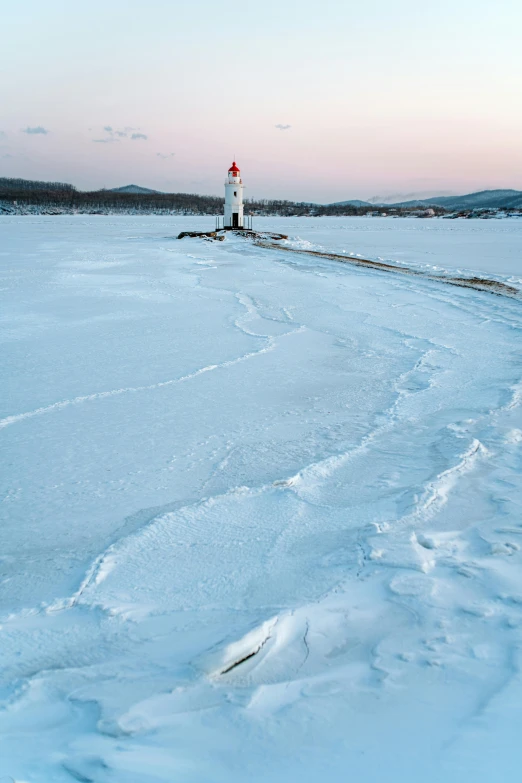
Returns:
<point x="133" y="389"/>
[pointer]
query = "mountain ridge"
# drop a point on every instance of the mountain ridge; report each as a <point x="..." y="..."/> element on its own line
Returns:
<point x="481" y="199"/>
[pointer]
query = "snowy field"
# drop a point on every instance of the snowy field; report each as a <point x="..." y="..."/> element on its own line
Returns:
<point x="261" y="512"/>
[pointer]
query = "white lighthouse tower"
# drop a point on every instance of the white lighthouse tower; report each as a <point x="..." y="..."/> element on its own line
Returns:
<point x="234" y="198"/>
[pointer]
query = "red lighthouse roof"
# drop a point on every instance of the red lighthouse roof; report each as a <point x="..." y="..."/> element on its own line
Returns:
<point x="234" y="167"/>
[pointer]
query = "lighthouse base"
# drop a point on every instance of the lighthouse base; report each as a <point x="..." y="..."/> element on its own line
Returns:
<point x="242" y="229"/>
<point x="219" y="234"/>
<point x="246" y="223"/>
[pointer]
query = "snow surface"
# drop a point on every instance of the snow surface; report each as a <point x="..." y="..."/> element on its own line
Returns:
<point x="261" y="511"/>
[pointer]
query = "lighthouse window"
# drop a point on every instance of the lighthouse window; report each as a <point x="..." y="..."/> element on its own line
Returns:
<point x="235" y="192"/>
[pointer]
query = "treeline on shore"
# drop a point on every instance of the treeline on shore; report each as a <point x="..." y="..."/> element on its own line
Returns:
<point x="30" y="197"/>
<point x="181" y="203"/>
<point x="8" y="184"/>
<point x="59" y="197"/>
<point x="103" y="200"/>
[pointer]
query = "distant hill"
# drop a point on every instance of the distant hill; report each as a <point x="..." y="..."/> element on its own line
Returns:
<point x="133" y="189"/>
<point x="9" y="184"/>
<point x="484" y="199"/>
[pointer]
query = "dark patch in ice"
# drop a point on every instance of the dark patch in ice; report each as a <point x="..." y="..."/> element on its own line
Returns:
<point x="247" y="657"/>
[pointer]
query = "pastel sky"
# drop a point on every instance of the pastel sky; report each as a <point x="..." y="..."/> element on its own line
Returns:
<point x="318" y="100"/>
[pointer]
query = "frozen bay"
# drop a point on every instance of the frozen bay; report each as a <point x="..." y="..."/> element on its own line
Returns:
<point x="261" y="511"/>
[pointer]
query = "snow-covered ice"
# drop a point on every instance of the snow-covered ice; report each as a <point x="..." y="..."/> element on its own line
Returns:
<point x="261" y="512"/>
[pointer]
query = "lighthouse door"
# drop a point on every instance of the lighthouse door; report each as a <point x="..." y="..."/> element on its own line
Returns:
<point x="235" y="220"/>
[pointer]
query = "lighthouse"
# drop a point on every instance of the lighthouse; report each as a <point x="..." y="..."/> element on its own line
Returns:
<point x="234" y="198"/>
